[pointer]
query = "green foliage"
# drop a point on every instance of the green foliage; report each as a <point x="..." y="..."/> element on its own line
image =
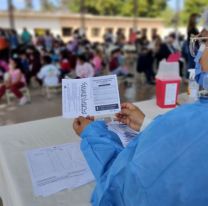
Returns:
<point x="192" y="6"/>
<point x="47" y="5"/>
<point x="146" y="8"/>
<point x="195" y="6"/>
<point x="28" y="4"/>
<point x="156" y="7"/>
<point x="127" y="8"/>
<point x="168" y="16"/>
<point x="99" y="7"/>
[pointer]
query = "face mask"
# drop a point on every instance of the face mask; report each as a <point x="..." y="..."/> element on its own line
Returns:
<point x="197" y="20"/>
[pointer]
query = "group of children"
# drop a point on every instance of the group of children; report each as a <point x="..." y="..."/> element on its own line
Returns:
<point x="48" y="66"/>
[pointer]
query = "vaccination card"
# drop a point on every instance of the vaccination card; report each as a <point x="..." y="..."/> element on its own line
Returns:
<point x="90" y="96"/>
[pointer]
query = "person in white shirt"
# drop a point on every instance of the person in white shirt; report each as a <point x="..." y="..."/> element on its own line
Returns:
<point x="83" y="68"/>
<point x="49" y="73"/>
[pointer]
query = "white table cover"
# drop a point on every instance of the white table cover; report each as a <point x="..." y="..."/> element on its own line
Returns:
<point x="15" y="182"/>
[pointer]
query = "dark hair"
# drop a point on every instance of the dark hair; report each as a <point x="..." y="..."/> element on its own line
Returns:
<point x="64" y="54"/>
<point x="13" y="31"/>
<point x="17" y="62"/>
<point x="22" y="52"/>
<point x="192" y="22"/>
<point x="47" y="32"/>
<point x="115" y="51"/>
<point x="82" y="57"/>
<point x="172" y="35"/>
<point x="47" y="59"/>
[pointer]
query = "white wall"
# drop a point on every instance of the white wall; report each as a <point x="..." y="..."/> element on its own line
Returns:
<point x="31" y="23"/>
<point x="182" y="30"/>
<point x="167" y="31"/>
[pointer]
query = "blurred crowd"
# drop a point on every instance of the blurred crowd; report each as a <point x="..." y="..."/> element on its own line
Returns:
<point x="47" y="59"/>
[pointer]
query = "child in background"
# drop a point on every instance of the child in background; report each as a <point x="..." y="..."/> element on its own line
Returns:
<point x="97" y="62"/>
<point x="34" y="58"/>
<point x="65" y="66"/>
<point x="49" y="74"/>
<point x="117" y="63"/>
<point x="48" y="41"/>
<point x="3" y="69"/>
<point x="25" y="66"/>
<point x="55" y="58"/>
<point x="83" y="68"/>
<point x="14" y="81"/>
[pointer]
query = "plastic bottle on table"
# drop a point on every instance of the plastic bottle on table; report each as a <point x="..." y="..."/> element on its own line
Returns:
<point x="193" y="86"/>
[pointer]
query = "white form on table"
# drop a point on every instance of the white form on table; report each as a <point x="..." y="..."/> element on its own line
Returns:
<point x="56" y="168"/>
<point x="15" y="140"/>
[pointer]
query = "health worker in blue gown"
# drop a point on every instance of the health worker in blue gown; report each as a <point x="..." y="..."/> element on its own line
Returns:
<point x="165" y="165"/>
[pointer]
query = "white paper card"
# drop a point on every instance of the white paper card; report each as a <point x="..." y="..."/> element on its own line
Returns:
<point x="56" y="168"/>
<point x="90" y="96"/>
<point x="124" y="132"/>
<point x="170" y="93"/>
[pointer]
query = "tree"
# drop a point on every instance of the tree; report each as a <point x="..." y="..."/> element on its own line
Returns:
<point x="192" y="6"/>
<point x="156" y="7"/>
<point x="195" y="6"/>
<point x="98" y="7"/>
<point x="47" y="5"/>
<point x="150" y="8"/>
<point x="64" y="4"/>
<point x="168" y="15"/>
<point x="28" y="4"/>
<point x="147" y="8"/>
<point x="128" y="8"/>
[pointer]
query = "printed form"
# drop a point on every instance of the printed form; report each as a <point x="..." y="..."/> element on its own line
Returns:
<point x="124" y="132"/>
<point x="56" y="168"/>
<point x="90" y="96"/>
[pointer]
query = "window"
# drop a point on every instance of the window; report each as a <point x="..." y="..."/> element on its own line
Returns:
<point x="40" y="31"/>
<point x="95" y="32"/>
<point x="67" y="31"/>
<point x="109" y="30"/>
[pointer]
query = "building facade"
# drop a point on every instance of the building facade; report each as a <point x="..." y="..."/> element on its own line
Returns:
<point x="64" y="24"/>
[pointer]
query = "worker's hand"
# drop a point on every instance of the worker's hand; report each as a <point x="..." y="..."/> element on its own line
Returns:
<point x="131" y="116"/>
<point x="80" y="123"/>
<point x="203" y="33"/>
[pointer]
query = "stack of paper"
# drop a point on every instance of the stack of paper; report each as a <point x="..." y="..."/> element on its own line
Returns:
<point x="57" y="168"/>
<point x="125" y="133"/>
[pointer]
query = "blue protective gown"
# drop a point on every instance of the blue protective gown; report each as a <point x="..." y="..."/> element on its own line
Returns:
<point x="165" y="165"/>
<point x="199" y="74"/>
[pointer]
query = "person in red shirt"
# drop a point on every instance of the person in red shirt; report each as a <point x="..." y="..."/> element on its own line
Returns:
<point x="65" y="66"/>
<point x="132" y="36"/>
<point x="4" y="46"/>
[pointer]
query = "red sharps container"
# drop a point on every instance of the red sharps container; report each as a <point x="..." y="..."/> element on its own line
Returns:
<point x="167" y="84"/>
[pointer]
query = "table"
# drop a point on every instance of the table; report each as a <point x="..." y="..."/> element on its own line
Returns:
<point x="15" y="182"/>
